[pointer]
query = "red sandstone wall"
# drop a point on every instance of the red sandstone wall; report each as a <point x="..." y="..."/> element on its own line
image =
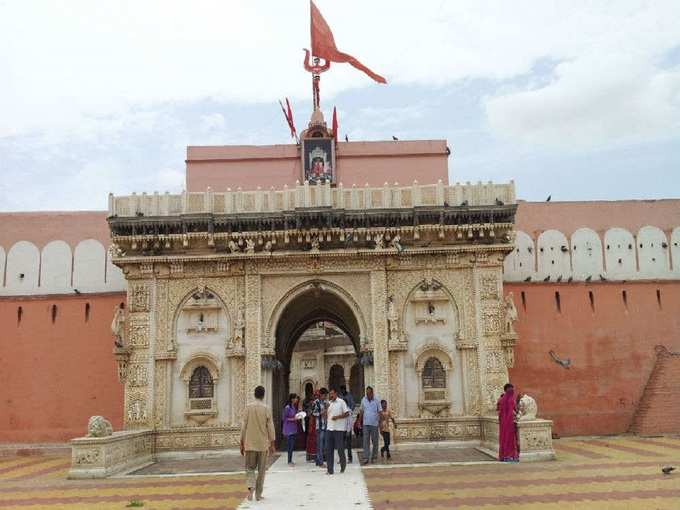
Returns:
<point x="42" y="227"/>
<point x="611" y="349"/>
<point x="54" y="376"/>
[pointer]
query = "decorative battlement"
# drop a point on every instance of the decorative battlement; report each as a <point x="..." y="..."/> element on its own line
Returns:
<point x="304" y="195"/>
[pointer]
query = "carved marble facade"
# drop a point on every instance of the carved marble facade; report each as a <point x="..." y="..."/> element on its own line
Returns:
<point x="208" y="291"/>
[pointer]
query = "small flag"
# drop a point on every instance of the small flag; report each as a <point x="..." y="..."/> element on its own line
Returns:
<point x="335" y="124"/>
<point x="288" y="114"/>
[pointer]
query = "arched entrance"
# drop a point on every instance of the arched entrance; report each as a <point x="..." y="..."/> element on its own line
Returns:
<point x="315" y="305"/>
<point x="336" y="377"/>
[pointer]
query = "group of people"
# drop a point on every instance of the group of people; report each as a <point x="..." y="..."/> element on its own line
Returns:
<point x="330" y="424"/>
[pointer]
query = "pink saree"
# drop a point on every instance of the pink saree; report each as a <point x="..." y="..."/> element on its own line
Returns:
<point x="507" y="428"/>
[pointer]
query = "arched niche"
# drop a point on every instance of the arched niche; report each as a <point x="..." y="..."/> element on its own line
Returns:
<point x="653" y="253"/>
<point x="56" y="268"/>
<point x="675" y="250"/>
<point x="434" y="365"/>
<point x="552" y="255"/>
<point x="89" y="262"/>
<point x="23" y="263"/>
<point x="201" y="372"/>
<point x="431" y="322"/>
<point x="619" y="254"/>
<point x="519" y="263"/>
<point x="586" y="254"/>
<point x="202" y="328"/>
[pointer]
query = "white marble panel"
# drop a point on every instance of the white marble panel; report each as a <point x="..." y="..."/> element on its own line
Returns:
<point x="620" y="254"/>
<point x="519" y="264"/>
<point x="89" y="262"/>
<point x="553" y="255"/>
<point x="586" y="254"/>
<point x="23" y="267"/>
<point x="55" y="268"/>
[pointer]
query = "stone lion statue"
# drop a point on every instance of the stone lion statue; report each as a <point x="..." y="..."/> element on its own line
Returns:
<point x="98" y="426"/>
<point x="527" y="408"/>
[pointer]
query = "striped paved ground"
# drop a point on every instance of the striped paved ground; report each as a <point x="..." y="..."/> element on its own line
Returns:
<point x="611" y="473"/>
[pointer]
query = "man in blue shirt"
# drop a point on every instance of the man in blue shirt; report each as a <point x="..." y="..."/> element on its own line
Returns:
<point x="369" y="413"/>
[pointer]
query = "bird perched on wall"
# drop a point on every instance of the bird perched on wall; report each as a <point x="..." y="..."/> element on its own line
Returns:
<point x="564" y="363"/>
<point x="570" y="279"/>
<point x="549" y="198"/>
<point x="602" y="278"/>
<point x="395" y="138"/>
<point x="546" y="279"/>
<point x="76" y="291"/>
<point x="499" y="202"/>
<point x="346" y="138"/>
<point x="446" y="204"/>
<point x="667" y="470"/>
<point x="589" y="277"/>
<point x="527" y="279"/>
<point x="559" y="278"/>
<point x="448" y="151"/>
<point x="464" y="203"/>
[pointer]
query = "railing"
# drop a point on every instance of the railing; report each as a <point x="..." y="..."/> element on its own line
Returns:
<point x="306" y="196"/>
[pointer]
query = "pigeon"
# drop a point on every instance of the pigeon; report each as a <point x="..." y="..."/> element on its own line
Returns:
<point x="499" y="202"/>
<point x="549" y="198"/>
<point x="530" y="249"/>
<point x="448" y="151"/>
<point x="590" y="277"/>
<point x="346" y="138"/>
<point x="564" y="248"/>
<point x="602" y="278"/>
<point x="464" y="203"/>
<point x="559" y="278"/>
<point x="395" y="138"/>
<point x="527" y="279"/>
<point x="446" y="204"/>
<point x="667" y="470"/>
<point x="570" y="279"/>
<point x="546" y="279"/>
<point x="565" y="363"/>
<point x="118" y="344"/>
<point x="76" y="291"/>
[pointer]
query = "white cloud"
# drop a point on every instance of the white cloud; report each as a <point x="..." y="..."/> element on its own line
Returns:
<point x="591" y="103"/>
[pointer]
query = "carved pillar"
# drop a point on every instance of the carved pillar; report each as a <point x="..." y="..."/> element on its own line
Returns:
<point x="253" y="375"/>
<point x="470" y="365"/>
<point x="381" y="368"/>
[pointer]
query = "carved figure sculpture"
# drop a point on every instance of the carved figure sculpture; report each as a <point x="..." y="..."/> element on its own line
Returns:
<point x="98" y="426"/>
<point x="510" y="313"/>
<point x="250" y="246"/>
<point x="315" y="243"/>
<point x="380" y="242"/>
<point x="268" y="246"/>
<point x="392" y="318"/>
<point x="396" y="243"/>
<point x="239" y="327"/>
<point x="527" y="408"/>
<point x="118" y="326"/>
<point x="233" y="247"/>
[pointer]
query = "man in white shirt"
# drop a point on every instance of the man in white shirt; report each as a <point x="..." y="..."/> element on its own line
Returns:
<point x="337" y="414"/>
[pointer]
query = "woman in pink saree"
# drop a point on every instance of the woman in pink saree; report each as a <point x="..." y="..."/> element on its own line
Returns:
<point x="507" y="428"/>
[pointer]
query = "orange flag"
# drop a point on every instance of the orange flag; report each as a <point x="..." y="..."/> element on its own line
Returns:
<point x="323" y="44"/>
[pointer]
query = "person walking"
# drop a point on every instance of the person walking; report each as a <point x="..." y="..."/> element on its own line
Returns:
<point x="257" y="440"/>
<point x="369" y="416"/>
<point x="349" y="400"/>
<point x="337" y="421"/>
<point x="385" y="417"/>
<point x="290" y="426"/>
<point x="319" y="411"/>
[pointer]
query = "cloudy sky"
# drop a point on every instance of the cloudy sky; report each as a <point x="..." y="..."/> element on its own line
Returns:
<point x="580" y="100"/>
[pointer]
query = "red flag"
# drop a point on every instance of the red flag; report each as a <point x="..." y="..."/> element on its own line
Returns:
<point x="291" y="123"/>
<point x="323" y="44"/>
<point x="289" y="118"/>
<point x="335" y="124"/>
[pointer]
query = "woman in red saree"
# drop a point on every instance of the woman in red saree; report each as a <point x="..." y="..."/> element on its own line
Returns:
<point x="507" y="428"/>
<point x="311" y="434"/>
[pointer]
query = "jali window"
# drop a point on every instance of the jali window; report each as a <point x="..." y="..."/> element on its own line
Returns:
<point x="201" y="384"/>
<point x="434" y="375"/>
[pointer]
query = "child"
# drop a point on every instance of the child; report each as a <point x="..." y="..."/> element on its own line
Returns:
<point x="385" y="416"/>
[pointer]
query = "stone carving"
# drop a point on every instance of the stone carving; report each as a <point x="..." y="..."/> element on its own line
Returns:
<point x="314" y="243"/>
<point x="138" y="330"/>
<point x="267" y="247"/>
<point x="379" y="242"/>
<point x="488" y="285"/>
<point x="491" y="320"/>
<point x="393" y="319"/>
<point x="396" y="243"/>
<point x="510" y="313"/>
<point x="138" y="297"/>
<point x="118" y="327"/>
<point x="136" y="410"/>
<point x="250" y="246"/>
<point x="138" y="374"/>
<point x="233" y="247"/>
<point x="527" y="408"/>
<point x="89" y="456"/>
<point x="98" y="426"/>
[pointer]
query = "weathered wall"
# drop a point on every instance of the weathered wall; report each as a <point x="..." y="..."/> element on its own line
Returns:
<point x="55" y="374"/>
<point x="610" y="345"/>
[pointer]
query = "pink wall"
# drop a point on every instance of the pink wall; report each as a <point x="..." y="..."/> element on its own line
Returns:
<point x="55" y="375"/>
<point x="250" y="166"/>
<point x="611" y="349"/>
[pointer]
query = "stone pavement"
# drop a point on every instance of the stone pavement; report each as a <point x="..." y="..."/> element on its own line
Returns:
<point x="590" y="474"/>
<point x="307" y="486"/>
